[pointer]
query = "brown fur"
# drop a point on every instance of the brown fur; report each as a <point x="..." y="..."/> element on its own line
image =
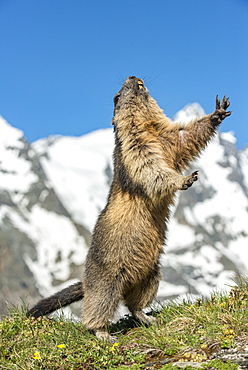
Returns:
<point x="150" y="154"/>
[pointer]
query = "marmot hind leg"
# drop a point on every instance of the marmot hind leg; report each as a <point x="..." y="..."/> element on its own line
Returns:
<point x="142" y="295"/>
<point x="99" y="306"/>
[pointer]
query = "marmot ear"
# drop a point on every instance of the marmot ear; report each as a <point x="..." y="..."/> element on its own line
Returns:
<point x="113" y="123"/>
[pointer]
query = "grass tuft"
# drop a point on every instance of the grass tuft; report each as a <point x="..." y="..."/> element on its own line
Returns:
<point x="186" y="332"/>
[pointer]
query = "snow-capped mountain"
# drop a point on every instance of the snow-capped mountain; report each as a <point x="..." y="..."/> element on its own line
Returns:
<point x="51" y="192"/>
<point x="35" y="227"/>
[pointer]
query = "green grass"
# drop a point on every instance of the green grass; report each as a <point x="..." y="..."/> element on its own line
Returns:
<point x="185" y="332"/>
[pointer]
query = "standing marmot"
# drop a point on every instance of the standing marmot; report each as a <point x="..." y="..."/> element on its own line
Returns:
<point x="123" y="260"/>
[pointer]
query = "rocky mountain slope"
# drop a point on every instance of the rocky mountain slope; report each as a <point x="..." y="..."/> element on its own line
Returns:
<point x="51" y="192"/>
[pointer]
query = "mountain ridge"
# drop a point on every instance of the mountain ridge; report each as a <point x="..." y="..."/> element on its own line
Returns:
<point x="53" y="190"/>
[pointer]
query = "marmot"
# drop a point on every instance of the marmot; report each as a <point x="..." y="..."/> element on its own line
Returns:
<point x="149" y="156"/>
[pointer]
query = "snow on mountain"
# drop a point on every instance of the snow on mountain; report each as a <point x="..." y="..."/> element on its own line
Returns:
<point x="52" y="191"/>
<point x="208" y="236"/>
<point x="35" y="228"/>
<point x="189" y="112"/>
<point x="80" y="170"/>
<point x="244" y="165"/>
<point x="15" y="174"/>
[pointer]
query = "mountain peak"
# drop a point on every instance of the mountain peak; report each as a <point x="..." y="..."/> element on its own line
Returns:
<point x="189" y="113"/>
<point x="9" y="134"/>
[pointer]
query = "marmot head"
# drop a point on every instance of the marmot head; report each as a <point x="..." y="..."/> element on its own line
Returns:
<point x="132" y="92"/>
<point x="133" y="103"/>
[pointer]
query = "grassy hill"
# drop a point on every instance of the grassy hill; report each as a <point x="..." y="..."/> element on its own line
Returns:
<point x="187" y="333"/>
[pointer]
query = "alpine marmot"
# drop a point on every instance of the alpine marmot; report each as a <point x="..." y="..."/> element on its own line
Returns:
<point x="150" y="154"/>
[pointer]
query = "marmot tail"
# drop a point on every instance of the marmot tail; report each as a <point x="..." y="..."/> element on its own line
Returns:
<point x="65" y="297"/>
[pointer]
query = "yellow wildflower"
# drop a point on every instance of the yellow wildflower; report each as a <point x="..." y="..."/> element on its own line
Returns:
<point x="188" y="355"/>
<point x="61" y="346"/>
<point x="36" y="356"/>
<point x="114" y="345"/>
<point x="229" y="332"/>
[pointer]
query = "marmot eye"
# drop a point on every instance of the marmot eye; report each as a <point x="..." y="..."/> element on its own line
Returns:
<point x="116" y="98"/>
<point x="140" y="84"/>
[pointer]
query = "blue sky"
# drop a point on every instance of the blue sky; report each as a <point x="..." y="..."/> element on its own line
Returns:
<point x="62" y="61"/>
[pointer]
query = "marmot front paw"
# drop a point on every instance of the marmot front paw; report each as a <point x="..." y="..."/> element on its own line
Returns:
<point x="189" y="180"/>
<point x="220" y="112"/>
